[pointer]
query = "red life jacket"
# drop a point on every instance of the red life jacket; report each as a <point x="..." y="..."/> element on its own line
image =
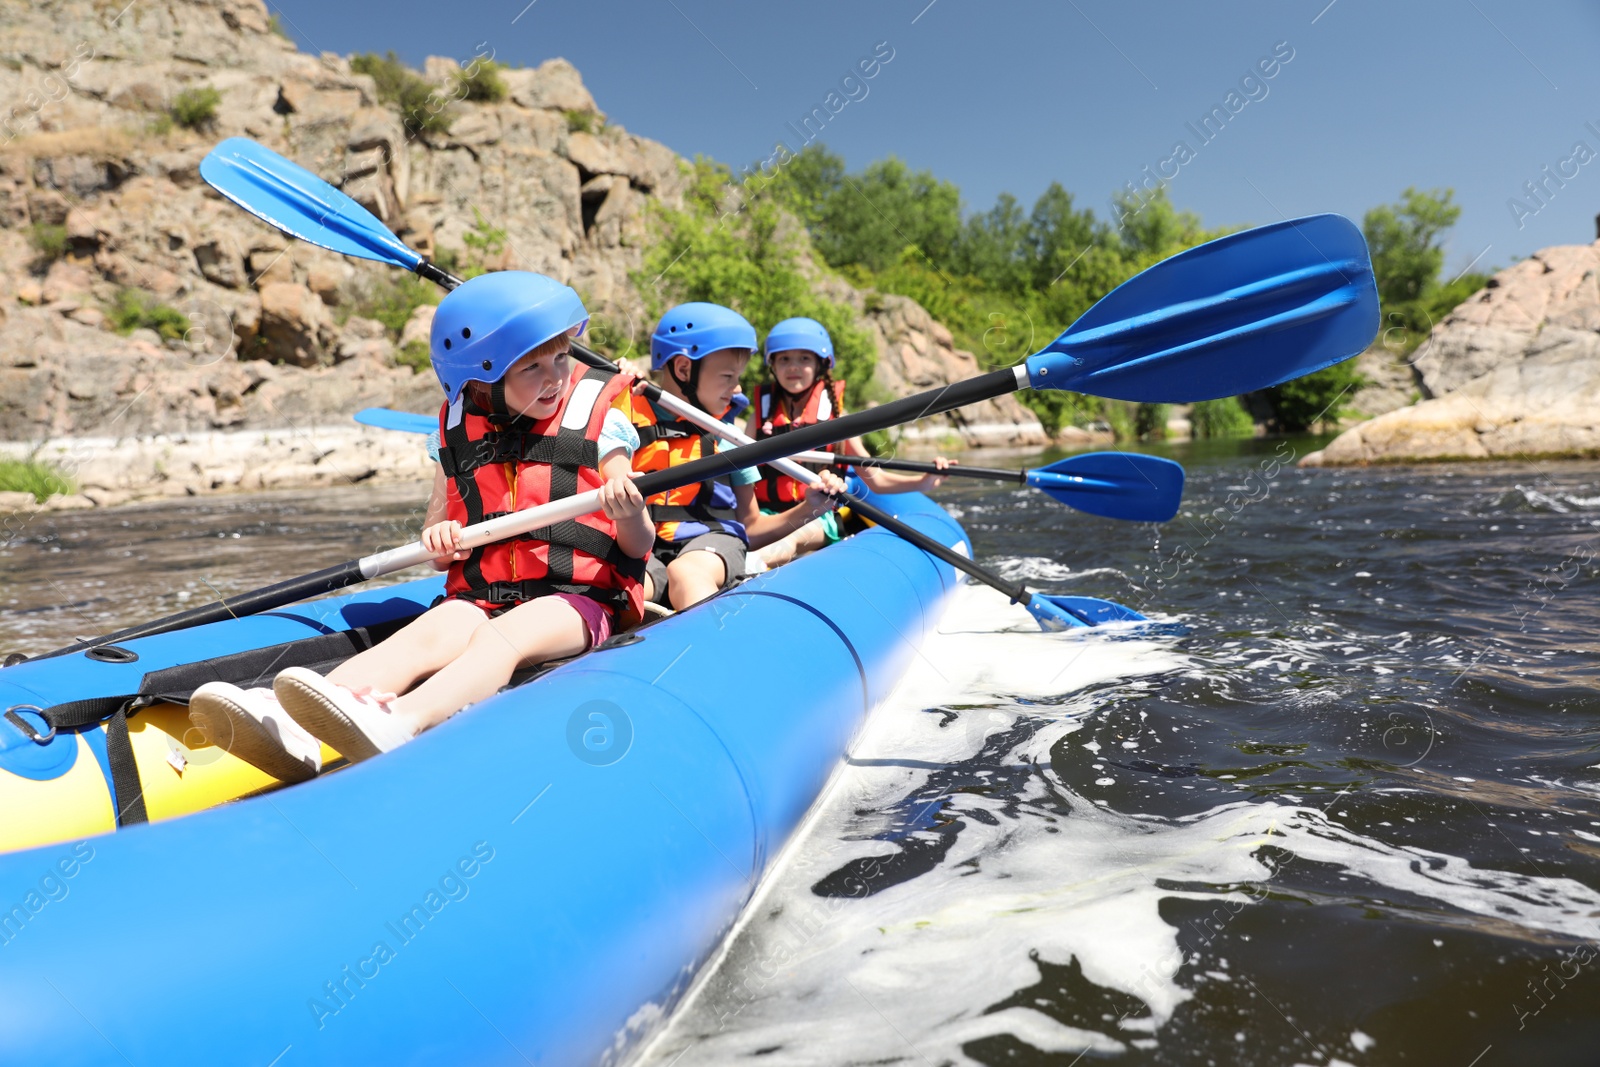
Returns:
<point x="775" y="491"/>
<point x="498" y="465"/>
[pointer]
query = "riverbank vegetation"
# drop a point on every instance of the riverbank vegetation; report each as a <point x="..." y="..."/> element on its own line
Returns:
<point x="35" y="477"/>
<point x="1007" y="280"/>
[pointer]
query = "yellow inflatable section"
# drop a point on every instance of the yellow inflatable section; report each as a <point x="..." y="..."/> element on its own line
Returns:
<point x="180" y="772"/>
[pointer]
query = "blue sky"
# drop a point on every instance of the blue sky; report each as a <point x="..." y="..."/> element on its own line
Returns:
<point x="1478" y="95"/>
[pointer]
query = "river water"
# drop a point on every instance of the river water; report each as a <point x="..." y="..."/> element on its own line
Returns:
<point x="1339" y="803"/>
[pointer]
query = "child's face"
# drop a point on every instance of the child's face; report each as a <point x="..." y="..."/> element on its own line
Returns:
<point x="534" y="384"/>
<point x="795" y="369"/>
<point x="719" y="378"/>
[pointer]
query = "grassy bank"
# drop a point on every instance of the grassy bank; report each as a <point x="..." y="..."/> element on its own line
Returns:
<point x="42" y="480"/>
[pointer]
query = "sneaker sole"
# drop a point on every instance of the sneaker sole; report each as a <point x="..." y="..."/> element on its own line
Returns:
<point x="228" y="726"/>
<point x="323" y="719"/>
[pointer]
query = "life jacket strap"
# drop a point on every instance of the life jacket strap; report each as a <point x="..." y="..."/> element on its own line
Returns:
<point x="507" y="595"/>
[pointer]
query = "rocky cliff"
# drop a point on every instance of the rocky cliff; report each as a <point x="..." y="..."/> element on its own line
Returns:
<point x="105" y="226"/>
<point x="1512" y="373"/>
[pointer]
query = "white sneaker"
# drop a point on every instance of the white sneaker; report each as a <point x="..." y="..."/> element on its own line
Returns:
<point x="359" y="727"/>
<point x="250" y="724"/>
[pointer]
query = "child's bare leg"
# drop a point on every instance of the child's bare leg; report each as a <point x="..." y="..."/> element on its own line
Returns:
<point x="808" y="538"/>
<point x="693" y="577"/>
<point x="544" y="629"/>
<point x="424" y="645"/>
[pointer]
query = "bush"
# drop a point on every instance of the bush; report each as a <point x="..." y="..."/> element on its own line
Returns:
<point x="392" y="298"/>
<point x="49" y="240"/>
<point x="484" y="244"/>
<point x="1318" y="398"/>
<point x="32" y="476"/>
<point x="422" y="110"/>
<point x="136" y="310"/>
<point x="580" y="121"/>
<point x="1119" y="416"/>
<point x="481" y="81"/>
<point x="1150" y="421"/>
<point x="275" y="25"/>
<point x="414" y="354"/>
<point x="195" y="108"/>
<point x="1221" y="418"/>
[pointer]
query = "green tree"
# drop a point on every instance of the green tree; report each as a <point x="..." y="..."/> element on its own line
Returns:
<point x="1407" y="253"/>
<point x="1406" y="241"/>
<point x="803" y="182"/>
<point x="997" y="247"/>
<point x="749" y="261"/>
<point x="885" y="208"/>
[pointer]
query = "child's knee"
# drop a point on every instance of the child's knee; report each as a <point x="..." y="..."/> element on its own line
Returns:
<point x="698" y="568"/>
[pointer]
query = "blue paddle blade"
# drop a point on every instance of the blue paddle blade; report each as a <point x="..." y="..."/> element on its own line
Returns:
<point x="1243" y="312"/>
<point x="1114" y="485"/>
<point x="404" y="421"/>
<point x="1069" y="612"/>
<point x="298" y="202"/>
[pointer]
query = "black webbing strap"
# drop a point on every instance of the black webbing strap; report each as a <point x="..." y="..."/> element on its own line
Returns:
<point x="508" y="595"/>
<point x="113" y="711"/>
<point x="504" y="446"/>
<point x="586" y="539"/>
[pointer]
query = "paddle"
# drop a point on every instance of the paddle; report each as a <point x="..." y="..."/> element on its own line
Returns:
<point x="390" y="419"/>
<point x="1113" y="485"/>
<point x="1240" y="313"/>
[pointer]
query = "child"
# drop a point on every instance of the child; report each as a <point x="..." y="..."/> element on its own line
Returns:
<point x="521" y="425"/>
<point x="704" y="530"/>
<point x="803" y="391"/>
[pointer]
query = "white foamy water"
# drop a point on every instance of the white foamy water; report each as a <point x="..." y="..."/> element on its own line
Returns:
<point x="1038" y="872"/>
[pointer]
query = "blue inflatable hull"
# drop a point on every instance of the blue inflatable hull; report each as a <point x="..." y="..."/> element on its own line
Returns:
<point x="517" y="886"/>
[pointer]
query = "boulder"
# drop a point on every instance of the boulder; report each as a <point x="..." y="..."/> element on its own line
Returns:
<point x="418" y="326"/>
<point x="295" y="326"/>
<point x="1512" y="373"/>
<point x="554" y="84"/>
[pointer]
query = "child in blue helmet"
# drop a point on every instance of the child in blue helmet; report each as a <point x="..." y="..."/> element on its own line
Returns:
<point x="704" y="530"/>
<point x="801" y="392"/>
<point x="521" y="425"/>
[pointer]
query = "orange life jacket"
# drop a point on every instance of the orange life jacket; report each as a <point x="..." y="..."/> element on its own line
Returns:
<point x="775" y="491"/>
<point x="693" y="509"/>
<point x="499" y="465"/>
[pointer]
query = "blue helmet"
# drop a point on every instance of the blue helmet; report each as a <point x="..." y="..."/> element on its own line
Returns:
<point x="808" y="335"/>
<point x="491" y="321"/>
<point x="697" y="330"/>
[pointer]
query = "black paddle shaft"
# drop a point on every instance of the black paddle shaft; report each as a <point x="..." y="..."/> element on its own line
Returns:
<point x="992" y="473"/>
<point x="1016" y="591"/>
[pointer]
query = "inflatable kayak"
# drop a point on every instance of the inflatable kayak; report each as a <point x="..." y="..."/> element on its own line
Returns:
<point x="534" y="881"/>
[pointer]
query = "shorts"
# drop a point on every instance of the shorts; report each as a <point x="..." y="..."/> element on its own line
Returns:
<point x="596" y="617"/>
<point x="831" y="522"/>
<point x="730" y="549"/>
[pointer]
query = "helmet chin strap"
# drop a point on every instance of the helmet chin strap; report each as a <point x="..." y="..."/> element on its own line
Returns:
<point x="692" y="387"/>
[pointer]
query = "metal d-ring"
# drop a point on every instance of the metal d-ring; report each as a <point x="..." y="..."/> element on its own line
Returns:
<point x="27" y="727"/>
